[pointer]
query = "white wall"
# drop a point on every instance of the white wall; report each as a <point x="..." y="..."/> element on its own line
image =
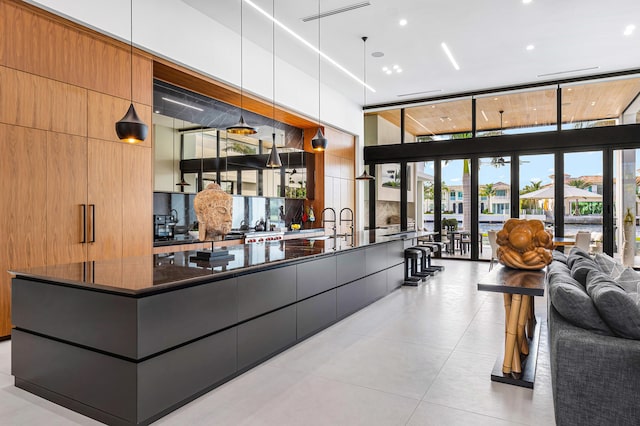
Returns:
<point x="174" y="30"/>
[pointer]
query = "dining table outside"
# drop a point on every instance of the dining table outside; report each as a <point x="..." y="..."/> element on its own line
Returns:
<point x="563" y="241"/>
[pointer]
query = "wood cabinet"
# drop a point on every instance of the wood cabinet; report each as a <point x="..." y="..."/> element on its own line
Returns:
<point x="64" y="175"/>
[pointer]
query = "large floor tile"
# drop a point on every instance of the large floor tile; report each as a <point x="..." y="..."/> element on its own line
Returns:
<point x="428" y="414"/>
<point x="319" y="401"/>
<point x="397" y="367"/>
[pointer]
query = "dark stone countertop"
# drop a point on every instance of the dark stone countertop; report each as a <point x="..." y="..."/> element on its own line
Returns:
<point x="146" y="275"/>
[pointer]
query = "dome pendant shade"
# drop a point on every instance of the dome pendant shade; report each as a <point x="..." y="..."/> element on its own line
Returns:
<point x="274" y="158"/>
<point x="319" y="142"/>
<point x="130" y="128"/>
<point x="365" y="176"/>
<point x="242" y="128"/>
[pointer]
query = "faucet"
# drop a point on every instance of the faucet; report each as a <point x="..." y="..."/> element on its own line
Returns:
<point x="348" y="219"/>
<point x="323" y="220"/>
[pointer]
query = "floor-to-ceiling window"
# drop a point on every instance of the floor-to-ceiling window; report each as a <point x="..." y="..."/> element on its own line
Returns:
<point x="494" y="198"/>
<point x="536" y="188"/>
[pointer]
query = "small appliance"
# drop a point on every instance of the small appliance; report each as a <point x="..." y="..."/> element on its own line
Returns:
<point x="163" y="226"/>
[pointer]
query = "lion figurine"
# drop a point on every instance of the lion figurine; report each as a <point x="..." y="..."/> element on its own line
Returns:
<point x="524" y="244"/>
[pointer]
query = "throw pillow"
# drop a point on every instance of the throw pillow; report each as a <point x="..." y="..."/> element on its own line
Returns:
<point x="597" y="279"/>
<point x="558" y="266"/>
<point x="576" y="254"/>
<point x="618" y="309"/>
<point x="608" y="264"/>
<point x="581" y="267"/>
<point x="574" y="304"/>
<point x="628" y="280"/>
<point x="559" y="256"/>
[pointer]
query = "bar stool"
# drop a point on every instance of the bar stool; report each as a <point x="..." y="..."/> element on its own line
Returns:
<point x="435" y="247"/>
<point x="411" y="258"/>
<point x="426" y="254"/>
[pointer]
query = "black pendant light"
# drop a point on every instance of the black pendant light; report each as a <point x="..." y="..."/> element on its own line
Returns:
<point x="241" y="127"/>
<point x="364" y="175"/>
<point x="183" y="183"/>
<point x="319" y="142"/>
<point x="274" y="158"/>
<point x="130" y="128"/>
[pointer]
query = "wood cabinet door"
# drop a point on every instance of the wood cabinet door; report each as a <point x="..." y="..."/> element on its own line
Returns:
<point x="137" y="200"/>
<point x="23" y="199"/>
<point x="104" y="212"/>
<point x="66" y="198"/>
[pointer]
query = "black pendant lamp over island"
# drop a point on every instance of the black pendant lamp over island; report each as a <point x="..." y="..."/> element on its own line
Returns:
<point x="274" y="158"/>
<point x="241" y="127"/>
<point x="130" y="128"/>
<point x="319" y="142"/>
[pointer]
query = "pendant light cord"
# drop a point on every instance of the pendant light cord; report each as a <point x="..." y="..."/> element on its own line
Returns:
<point x="241" y="62"/>
<point x="131" y="45"/>
<point x="273" y="44"/>
<point x="319" y="64"/>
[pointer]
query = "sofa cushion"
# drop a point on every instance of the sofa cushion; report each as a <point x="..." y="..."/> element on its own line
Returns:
<point x="559" y="256"/>
<point x="608" y="264"/>
<point x="575" y="254"/>
<point x="617" y="308"/>
<point x="581" y="267"/>
<point x="628" y="280"/>
<point x="572" y="302"/>
<point x="558" y="267"/>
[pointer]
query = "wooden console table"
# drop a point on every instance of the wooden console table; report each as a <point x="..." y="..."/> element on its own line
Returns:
<point x="517" y="363"/>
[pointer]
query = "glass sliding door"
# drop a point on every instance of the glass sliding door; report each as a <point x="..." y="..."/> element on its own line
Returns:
<point x="425" y="197"/>
<point x="625" y="195"/>
<point x="582" y="200"/>
<point x="536" y="188"/>
<point x="494" y="199"/>
<point x="456" y="207"/>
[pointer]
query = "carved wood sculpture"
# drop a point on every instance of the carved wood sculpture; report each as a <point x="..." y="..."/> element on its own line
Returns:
<point x="213" y="209"/>
<point x="524" y="244"/>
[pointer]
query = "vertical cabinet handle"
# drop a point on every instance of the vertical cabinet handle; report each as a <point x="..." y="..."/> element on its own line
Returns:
<point x="84" y="224"/>
<point x="93" y="223"/>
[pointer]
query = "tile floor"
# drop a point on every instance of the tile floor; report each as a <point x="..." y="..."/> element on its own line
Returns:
<point x="420" y="356"/>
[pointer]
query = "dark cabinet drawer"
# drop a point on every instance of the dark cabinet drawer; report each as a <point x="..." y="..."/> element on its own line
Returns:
<point x="316" y="276"/>
<point x="264" y="336"/>
<point x="175" y="317"/>
<point x="376" y="286"/>
<point x="316" y="313"/>
<point x="376" y="258"/>
<point x="351" y="266"/>
<point x="395" y="277"/>
<point x="351" y="297"/>
<point x="265" y="291"/>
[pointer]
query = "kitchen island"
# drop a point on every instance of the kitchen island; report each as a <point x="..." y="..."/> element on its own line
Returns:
<point x="126" y="341"/>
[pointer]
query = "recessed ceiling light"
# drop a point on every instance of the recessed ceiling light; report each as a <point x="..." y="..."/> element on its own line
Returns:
<point x="388" y="72"/>
<point x="593" y="103"/>
<point x="530" y="47"/>
<point x="569" y="89"/>
<point x="399" y="70"/>
<point x="403" y="22"/>
<point x="535" y="109"/>
<point x="526" y="1"/>
<point x="157" y="111"/>
<point x="385" y="69"/>
<point x="377" y="54"/>
<point x="629" y="29"/>
<point x="449" y="55"/>
<point x="395" y="67"/>
<point x="433" y="106"/>
<point x="495" y="99"/>
<point x="173" y="101"/>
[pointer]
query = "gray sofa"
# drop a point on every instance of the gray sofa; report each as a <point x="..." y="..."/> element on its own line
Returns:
<point x="595" y="370"/>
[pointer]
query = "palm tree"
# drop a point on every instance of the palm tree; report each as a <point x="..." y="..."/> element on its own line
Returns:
<point x="534" y="186"/>
<point x="488" y="190"/>
<point x="579" y="183"/>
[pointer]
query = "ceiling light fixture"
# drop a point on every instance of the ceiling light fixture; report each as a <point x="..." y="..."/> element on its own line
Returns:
<point x="377" y="54"/>
<point x="568" y="71"/>
<point x="629" y="29"/>
<point x="364" y="175"/>
<point x="421" y="93"/>
<point x="526" y="1"/>
<point x="241" y="127"/>
<point x="309" y="45"/>
<point x="403" y="22"/>
<point x="173" y="101"/>
<point x="336" y="11"/>
<point x="450" y="55"/>
<point x="530" y="47"/>
<point x="319" y="142"/>
<point x="484" y="115"/>
<point x="274" y="158"/>
<point x="130" y="128"/>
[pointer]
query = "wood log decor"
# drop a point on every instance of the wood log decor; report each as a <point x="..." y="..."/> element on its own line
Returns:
<point x="524" y="244"/>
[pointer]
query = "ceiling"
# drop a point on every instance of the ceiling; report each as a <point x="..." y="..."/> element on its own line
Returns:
<point x="488" y="39"/>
